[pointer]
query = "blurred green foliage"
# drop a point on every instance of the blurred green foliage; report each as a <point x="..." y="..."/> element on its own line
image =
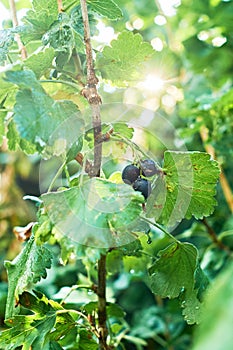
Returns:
<point x="194" y="59"/>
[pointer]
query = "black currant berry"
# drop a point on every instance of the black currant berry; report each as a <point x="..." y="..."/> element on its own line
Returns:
<point x="149" y="168"/>
<point x="130" y="174"/>
<point x="144" y="186"/>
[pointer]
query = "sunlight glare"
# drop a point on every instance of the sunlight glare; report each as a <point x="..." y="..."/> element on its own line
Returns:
<point x="168" y="6"/>
<point x="203" y="35"/>
<point x="129" y="26"/>
<point x="138" y="23"/>
<point x="4" y="14"/>
<point x="160" y="20"/>
<point x="152" y="83"/>
<point x="157" y="44"/>
<point x="219" y="41"/>
<point x="106" y="34"/>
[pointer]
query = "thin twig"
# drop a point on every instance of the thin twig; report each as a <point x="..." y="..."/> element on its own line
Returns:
<point x="102" y="313"/>
<point x="60" y="6"/>
<point x="69" y="83"/>
<point x="155" y="224"/>
<point x="214" y="237"/>
<point x="116" y="136"/>
<point x="91" y="77"/>
<point x="21" y="47"/>
<point x="91" y="94"/>
<point x="226" y="190"/>
<point x="58" y="173"/>
<point x="65" y="311"/>
<point x="75" y="287"/>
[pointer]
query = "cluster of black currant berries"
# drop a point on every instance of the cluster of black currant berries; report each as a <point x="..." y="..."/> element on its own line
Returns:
<point x="131" y="175"/>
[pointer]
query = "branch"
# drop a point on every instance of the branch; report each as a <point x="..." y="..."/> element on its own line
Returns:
<point x="226" y="190"/>
<point x="21" y="47"/>
<point x="60" y="6"/>
<point x="60" y="82"/>
<point x="102" y="313"/>
<point x="91" y="77"/>
<point x="204" y="132"/>
<point x="214" y="237"/>
<point x="91" y="94"/>
<point x="155" y="224"/>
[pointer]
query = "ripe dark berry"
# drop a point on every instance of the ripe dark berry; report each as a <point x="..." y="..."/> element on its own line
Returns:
<point x="130" y="174"/>
<point x="149" y="168"/>
<point x="144" y="186"/>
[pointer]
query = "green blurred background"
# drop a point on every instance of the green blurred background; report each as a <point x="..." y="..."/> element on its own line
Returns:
<point x="189" y="83"/>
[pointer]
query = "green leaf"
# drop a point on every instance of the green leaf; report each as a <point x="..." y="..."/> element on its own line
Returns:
<point x="192" y="307"/>
<point x="123" y="129"/>
<point x="119" y="128"/>
<point x="2" y="126"/>
<point x="174" y="270"/>
<point x="24" y="79"/>
<point x="67" y="246"/>
<point x="91" y="307"/>
<point x="61" y="37"/>
<point x="121" y="63"/>
<point x="134" y="248"/>
<point x="6" y="39"/>
<point x="7" y="91"/>
<point x="27" y="147"/>
<point x="114" y="261"/>
<point x="41" y="62"/>
<point x="41" y="5"/>
<point x="40" y="304"/>
<point x="85" y="341"/>
<point x="40" y="18"/>
<point x="42" y="229"/>
<point x="105" y="8"/>
<point x="187" y="188"/>
<point x="19" y="5"/>
<point x="27" y="330"/>
<point x="13" y="137"/>
<point x="76" y="22"/>
<point x="53" y="126"/>
<point x="116" y="328"/>
<point x="37" y="330"/>
<point x="173" y="275"/>
<point x="53" y="345"/>
<point x="15" y="142"/>
<point x="95" y="214"/>
<point x="115" y="177"/>
<point x="26" y="269"/>
<point x="115" y="311"/>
